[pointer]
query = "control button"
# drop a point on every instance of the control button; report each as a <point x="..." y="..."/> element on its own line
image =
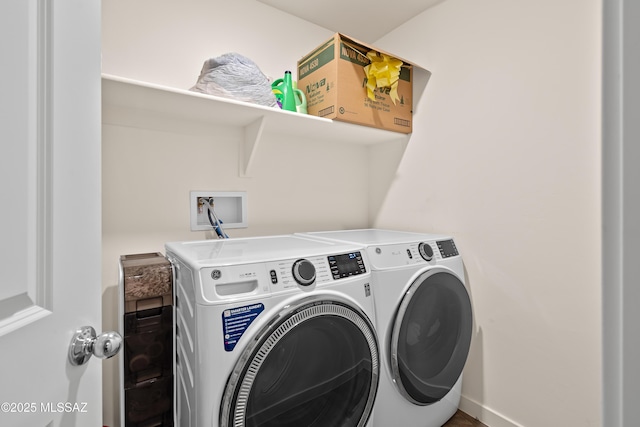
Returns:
<point x="367" y="290"/>
<point x="304" y="272"/>
<point x="426" y="252"/>
<point x="274" y="277"/>
<point x="409" y="254"/>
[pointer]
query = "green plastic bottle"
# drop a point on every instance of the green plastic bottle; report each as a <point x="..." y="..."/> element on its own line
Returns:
<point x="288" y="95"/>
<point x="301" y="101"/>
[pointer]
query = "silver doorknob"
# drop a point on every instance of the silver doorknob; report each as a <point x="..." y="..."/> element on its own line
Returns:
<point x="85" y="343"/>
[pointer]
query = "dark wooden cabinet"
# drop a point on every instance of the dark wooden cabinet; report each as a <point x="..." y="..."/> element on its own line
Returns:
<point x="148" y="352"/>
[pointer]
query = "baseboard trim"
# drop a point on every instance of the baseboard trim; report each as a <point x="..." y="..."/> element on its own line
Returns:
<point x="486" y="415"/>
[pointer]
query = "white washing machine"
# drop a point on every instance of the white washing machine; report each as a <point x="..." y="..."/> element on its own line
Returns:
<point x="424" y="322"/>
<point x="273" y="331"/>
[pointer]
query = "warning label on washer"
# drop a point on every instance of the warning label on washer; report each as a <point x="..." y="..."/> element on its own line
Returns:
<point x="235" y="322"/>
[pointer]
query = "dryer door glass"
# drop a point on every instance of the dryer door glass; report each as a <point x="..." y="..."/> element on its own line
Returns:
<point x="317" y="367"/>
<point x="431" y="336"/>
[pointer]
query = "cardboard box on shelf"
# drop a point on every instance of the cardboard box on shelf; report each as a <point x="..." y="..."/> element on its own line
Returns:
<point x="334" y="81"/>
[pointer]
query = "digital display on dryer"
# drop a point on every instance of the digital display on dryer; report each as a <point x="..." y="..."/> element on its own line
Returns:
<point x="447" y="248"/>
<point x="345" y="265"/>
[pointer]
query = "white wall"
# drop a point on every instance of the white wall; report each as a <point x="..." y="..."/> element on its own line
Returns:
<point x="505" y="156"/>
<point x="166" y="42"/>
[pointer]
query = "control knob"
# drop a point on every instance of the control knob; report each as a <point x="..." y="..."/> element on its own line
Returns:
<point x="304" y="272"/>
<point x="426" y="252"/>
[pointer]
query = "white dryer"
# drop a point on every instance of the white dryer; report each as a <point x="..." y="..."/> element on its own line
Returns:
<point x="424" y="322"/>
<point x="273" y="331"/>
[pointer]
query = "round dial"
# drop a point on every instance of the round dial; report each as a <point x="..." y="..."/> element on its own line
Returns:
<point x="426" y="252"/>
<point x="304" y="272"/>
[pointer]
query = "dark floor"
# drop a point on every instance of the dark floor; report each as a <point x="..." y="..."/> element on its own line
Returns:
<point x="460" y="419"/>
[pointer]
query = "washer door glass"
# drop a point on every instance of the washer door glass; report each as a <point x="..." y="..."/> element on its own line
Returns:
<point x="317" y="367"/>
<point x="430" y="337"/>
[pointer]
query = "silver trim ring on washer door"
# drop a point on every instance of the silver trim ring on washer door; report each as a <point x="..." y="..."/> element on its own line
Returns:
<point x="287" y="319"/>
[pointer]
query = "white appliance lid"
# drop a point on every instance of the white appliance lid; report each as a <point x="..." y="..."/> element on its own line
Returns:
<point x="255" y="249"/>
<point x="374" y="236"/>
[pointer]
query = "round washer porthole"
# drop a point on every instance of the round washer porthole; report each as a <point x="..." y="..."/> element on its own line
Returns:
<point x="316" y="366"/>
<point x="431" y="336"/>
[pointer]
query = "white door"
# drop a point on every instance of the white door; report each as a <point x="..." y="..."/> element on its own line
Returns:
<point x="49" y="210"/>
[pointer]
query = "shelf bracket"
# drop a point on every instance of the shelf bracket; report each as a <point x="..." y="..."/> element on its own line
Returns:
<point x="248" y="148"/>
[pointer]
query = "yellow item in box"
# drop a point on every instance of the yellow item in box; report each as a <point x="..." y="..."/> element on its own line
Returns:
<point x="347" y="80"/>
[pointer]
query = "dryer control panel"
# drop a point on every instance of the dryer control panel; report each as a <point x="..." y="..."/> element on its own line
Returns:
<point x="447" y="248"/>
<point x="402" y="254"/>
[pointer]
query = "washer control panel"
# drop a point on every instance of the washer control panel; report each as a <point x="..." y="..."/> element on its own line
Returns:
<point x="304" y="272"/>
<point x="346" y="265"/>
<point x="315" y="270"/>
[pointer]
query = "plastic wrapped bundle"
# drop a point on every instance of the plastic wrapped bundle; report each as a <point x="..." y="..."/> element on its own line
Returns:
<point x="237" y="77"/>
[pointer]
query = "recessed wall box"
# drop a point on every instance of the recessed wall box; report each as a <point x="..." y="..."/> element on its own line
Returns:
<point x="230" y="207"/>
